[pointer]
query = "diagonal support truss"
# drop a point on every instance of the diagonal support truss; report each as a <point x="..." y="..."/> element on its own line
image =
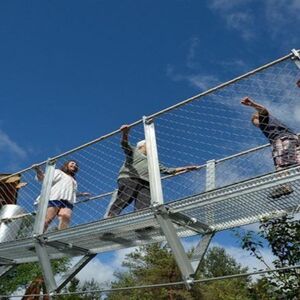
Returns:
<point x="175" y="244"/>
<point x="74" y="270"/>
<point x="201" y="249"/>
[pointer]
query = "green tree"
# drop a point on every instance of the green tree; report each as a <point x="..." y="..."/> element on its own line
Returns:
<point x="22" y="275"/>
<point x="76" y="286"/>
<point x="282" y="234"/>
<point x="153" y="264"/>
<point x="218" y="263"/>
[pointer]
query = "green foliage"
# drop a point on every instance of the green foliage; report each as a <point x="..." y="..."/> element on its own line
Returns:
<point x="153" y="264"/>
<point x="75" y="286"/>
<point x="218" y="263"/>
<point x="283" y="236"/>
<point x="22" y="275"/>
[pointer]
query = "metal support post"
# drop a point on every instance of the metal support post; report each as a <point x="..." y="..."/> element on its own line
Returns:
<point x="201" y="249"/>
<point x="296" y="57"/>
<point x="44" y="261"/>
<point x="175" y="244"/>
<point x="38" y="229"/>
<point x="210" y="183"/>
<point x="153" y="163"/>
<point x="210" y="175"/>
<point x="44" y="199"/>
<point x="74" y="270"/>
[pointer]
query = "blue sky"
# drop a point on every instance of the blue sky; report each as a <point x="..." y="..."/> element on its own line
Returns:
<point x="75" y="70"/>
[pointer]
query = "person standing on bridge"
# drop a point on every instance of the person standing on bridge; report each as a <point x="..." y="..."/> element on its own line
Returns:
<point x="133" y="179"/>
<point x="284" y="141"/>
<point x="62" y="195"/>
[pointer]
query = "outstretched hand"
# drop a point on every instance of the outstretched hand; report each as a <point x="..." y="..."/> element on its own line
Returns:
<point x="247" y="101"/>
<point x="36" y="167"/>
<point x="191" y="168"/>
<point x="125" y="128"/>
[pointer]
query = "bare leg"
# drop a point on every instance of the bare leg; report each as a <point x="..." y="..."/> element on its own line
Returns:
<point x="51" y="214"/>
<point x="64" y="216"/>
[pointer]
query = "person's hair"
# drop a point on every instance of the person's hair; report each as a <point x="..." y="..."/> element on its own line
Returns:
<point x="254" y="116"/>
<point x="65" y="168"/>
<point x="298" y="82"/>
<point x="140" y="144"/>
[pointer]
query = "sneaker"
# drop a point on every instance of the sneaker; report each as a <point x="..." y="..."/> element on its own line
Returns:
<point x="283" y="190"/>
<point x="107" y="236"/>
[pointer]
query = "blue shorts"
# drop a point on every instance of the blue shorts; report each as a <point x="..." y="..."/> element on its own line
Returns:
<point x="60" y="204"/>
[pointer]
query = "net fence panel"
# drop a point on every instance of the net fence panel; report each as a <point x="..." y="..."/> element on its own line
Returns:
<point x="19" y="195"/>
<point x="216" y="125"/>
<point x="99" y="166"/>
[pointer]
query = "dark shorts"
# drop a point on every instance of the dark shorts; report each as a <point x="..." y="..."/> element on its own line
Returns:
<point x="60" y="204"/>
<point x="286" y="152"/>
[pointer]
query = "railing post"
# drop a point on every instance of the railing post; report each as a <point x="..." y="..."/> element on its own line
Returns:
<point x="153" y="163"/>
<point x="40" y="246"/>
<point x="296" y="57"/>
<point x="210" y="175"/>
<point x="44" y="198"/>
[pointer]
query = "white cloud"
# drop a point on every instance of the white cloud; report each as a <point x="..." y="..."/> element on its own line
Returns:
<point x="277" y="18"/>
<point x="7" y="144"/>
<point x="280" y="13"/>
<point x="103" y="271"/>
<point x="200" y="81"/>
<point x="235" y="15"/>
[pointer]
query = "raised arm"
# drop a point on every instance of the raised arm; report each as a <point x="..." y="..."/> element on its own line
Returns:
<point x="247" y="101"/>
<point x="166" y="170"/>
<point x="124" y="139"/>
<point x="125" y="133"/>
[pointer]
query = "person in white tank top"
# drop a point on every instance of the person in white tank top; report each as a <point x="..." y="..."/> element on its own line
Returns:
<point x="62" y="195"/>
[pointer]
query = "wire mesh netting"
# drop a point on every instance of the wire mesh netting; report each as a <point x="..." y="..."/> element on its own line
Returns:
<point x="216" y="125"/>
<point x="213" y="126"/>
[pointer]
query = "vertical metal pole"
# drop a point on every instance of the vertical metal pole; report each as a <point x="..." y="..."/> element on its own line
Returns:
<point x="157" y="199"/>
<point x="38" y="229"/>
<point x="210" y="175"/>
<point x="210" y="183"/>
<point x="296" y="57"/>
<point x="44" y="198"/>
<point x="153" y="163"/>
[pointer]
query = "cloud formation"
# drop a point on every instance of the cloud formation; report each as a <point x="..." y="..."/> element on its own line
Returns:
<point x="252" y="18"/>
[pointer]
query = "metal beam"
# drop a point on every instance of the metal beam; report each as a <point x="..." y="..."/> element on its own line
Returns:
<point x="44" y="199"/>
<point x="44" y="260"/>
<point x="296" y="57"/>
<point x="5" y="269"/>
<point x="67" y="248"/>
<point x="175" y="244"/>
<point x="5" y="261"/>
<point x="188" y="222"/>
<point x="201" y="249"/>
<point x="71" y="273"/>
<point x="153" y="164"/>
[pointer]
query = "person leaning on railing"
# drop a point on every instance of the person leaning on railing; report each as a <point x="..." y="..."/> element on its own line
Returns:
<point x="284" y="141"/>
<point x="133" y="179"/>
<point x="63" y="193"/>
